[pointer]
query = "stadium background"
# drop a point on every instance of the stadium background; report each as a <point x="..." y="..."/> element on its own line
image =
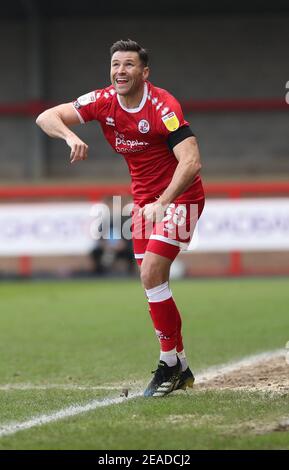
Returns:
<point x="226" y="64"/>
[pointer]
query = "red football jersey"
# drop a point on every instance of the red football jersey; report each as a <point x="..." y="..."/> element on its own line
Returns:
<point x="140" y="135"/>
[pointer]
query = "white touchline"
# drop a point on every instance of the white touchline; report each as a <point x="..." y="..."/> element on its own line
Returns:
<point x="215" y="371"/>
<point x="12" y="428"/>
<point x="29" y="386"/>
<point x="201" y="377"/>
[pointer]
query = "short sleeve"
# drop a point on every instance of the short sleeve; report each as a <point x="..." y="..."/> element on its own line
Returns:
<point x="86" y="106"/>
<point x="171" y="117"/>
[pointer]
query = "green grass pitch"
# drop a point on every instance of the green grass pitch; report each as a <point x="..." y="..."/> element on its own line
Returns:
<point x="98" y="333"/>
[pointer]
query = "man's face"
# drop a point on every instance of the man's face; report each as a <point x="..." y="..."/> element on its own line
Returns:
<point x="127" y="72"/>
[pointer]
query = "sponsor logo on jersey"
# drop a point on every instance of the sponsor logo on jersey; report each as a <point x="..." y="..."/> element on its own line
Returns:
<point x="86" y="99"/>
<point x="171" y="122"/>
<point x="143" y="126"/>
<point x="110" y="121"/>
<point x="123" y="145"/>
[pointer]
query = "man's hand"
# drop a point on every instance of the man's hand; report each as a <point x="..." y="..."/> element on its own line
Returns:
<point x="79" y="149"/>
<point x="154" y="211"/>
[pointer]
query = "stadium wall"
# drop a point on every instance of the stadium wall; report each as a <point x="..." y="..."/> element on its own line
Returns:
<point x="195" y="58"/>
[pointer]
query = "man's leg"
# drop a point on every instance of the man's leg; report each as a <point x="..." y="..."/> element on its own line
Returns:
<point x="155" y="271"/>
<point x="163" y="310"/>
<point x="154" y="257"/>
<point x="167" y="322"/>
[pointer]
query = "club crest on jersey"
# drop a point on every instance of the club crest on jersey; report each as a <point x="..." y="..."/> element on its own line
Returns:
<point x="143" y="126"/>
<point x="171" y="122"/>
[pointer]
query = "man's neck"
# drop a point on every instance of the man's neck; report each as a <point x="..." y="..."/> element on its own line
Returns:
<point x="132" y="101"/>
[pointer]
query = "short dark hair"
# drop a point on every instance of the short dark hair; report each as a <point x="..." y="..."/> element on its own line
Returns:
<point x="129" y="45"/>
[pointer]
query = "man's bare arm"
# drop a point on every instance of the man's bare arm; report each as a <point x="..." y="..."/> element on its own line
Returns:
<point x="188" y="156"/>
<point x="55" y="121"/>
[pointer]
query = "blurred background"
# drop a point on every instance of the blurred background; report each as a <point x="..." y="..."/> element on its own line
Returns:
<point x="227" y="63"/>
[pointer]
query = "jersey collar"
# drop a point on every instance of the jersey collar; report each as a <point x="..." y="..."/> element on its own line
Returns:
<point x="141" y="105"/>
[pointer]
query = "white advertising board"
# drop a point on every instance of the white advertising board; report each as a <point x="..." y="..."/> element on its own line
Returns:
<point x="45" y="229"/>
<point x="65" y="228"/>
<point x="243" y="225"/>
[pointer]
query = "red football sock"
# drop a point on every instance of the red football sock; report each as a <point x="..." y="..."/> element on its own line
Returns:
<point x="164" y="318"/>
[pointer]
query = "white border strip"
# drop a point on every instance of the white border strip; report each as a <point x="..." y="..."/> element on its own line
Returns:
<point x="161" y="238"/>
<point x="206" y="375"/>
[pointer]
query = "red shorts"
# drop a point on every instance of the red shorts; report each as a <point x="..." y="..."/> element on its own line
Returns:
<point x="168" y="237"/>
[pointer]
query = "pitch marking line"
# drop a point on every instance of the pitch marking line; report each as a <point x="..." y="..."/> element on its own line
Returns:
<point x="27" y="386"/>
<point x="213" y="372"/>
<point x="12" y="428"/>
<point x="208" y="374"/>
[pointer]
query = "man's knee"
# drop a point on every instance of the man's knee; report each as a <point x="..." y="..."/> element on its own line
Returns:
<point x="152" y="274"/>
<point x="146" y="274"/>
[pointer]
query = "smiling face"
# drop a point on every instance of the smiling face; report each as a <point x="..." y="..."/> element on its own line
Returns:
<point x="127" y="73"/>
